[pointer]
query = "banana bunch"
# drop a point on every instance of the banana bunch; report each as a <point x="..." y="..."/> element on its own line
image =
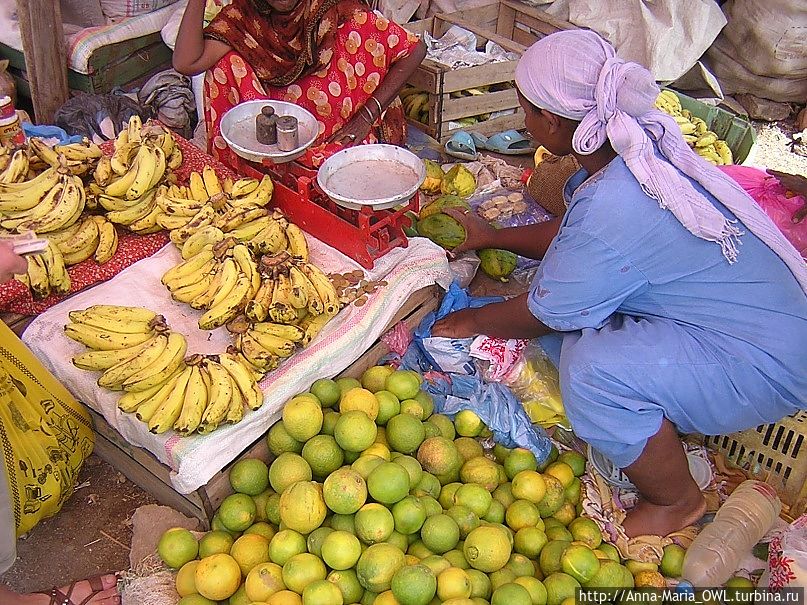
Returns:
<point x="46" y="273"/>
<point x="695" y="131"/>
<point x="206" y="201"/>
<point x="415" y="104"/>
<point x="77" y="158"/>
<point x="51" y="201"/>
<point x="16" y="166"/>
<point x="139" y="356"/>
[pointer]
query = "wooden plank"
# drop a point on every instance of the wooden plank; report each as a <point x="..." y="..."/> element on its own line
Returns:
<point x="479" y="75"/>
<point x="454" y="109"/>
<point x="45" y="56"/>
<point x="537" y="17"/>
<point x="506" y="21"/>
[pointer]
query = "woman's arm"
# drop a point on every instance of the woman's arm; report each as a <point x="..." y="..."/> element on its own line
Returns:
<point x="11" y="264"/>
<point x="194" y="54"/>
<point x="359" y="125"/>
<point x="508" y="319"/>
<point x="530" y="241"/>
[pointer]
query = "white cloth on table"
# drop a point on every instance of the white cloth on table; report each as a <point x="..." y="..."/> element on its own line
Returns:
<point x="194" y="460"/>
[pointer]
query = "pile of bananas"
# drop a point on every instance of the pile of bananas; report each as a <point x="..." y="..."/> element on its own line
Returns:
<point x="126" y="183"/>
<point x="237" y="208"/>
<point x="138" y="354"/>
<point x="696" y="132"/>
<point x="415" y="104"/>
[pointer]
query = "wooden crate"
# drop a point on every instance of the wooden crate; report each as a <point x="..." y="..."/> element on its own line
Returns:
<point x="143" y="469"/>
<point x="511" y="25"/>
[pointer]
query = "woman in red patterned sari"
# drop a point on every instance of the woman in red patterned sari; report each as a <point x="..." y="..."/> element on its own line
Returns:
<point x="336" y="58"/>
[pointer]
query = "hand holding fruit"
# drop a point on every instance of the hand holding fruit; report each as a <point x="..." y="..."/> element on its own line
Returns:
<point x="478" y="232"/>
<point x="10" y="262"/>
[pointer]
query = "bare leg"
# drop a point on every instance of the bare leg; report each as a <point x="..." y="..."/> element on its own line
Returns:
<point x="669" y="497"/>
<point x="81" y="591"/>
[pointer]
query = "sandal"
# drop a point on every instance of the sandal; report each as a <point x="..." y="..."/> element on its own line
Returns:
<point x="461" y="145"/>
<point x="57" y="597"/>
<point x="510" y="142"/>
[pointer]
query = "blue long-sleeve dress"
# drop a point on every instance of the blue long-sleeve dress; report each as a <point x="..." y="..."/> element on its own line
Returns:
<point x="653" y="322"/>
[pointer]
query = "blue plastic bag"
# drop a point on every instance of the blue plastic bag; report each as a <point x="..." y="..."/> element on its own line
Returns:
<point x="494" y="403"/>
<point x="49" y="132"/>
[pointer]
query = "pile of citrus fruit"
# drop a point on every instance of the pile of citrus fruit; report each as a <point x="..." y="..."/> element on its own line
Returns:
<point x="373" y="498"/>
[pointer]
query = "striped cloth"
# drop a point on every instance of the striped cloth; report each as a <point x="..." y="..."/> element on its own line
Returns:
<point x="194" y="460"/>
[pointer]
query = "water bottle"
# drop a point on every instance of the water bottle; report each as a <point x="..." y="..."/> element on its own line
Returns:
<point x="746" y="516"/>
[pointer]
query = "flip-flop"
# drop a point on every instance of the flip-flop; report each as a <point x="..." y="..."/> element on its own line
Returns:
<point x="461" y="145"/>
<point x="57" y="597"/>
<point x="510" y="142"/>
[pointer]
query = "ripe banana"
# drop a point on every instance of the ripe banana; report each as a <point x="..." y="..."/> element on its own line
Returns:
<point x="38" y="280"/>
<point x="235" y="411"/>
<point x="174" y="160"/>
<point x="325" y="289"/>
<point x="77" y="237"/>
<point x="86" y="151"/>
<point x="159" y="171"/>
<point x="129" y="402"/>
<point x="255" y="354"/>
<point x="286" y="332"/>
<point x="246" y="232"/>
<point x="257" y="309"/>
<point x="211" y="182"/>
<point x="104" y="360"/>
<point x="139" y="210"/>
<point x="202" y="219"/>
<point x="146" y="162"/>
<point x="118" y="187"/>
<point x="243" y="187"/>
<point x="271" y="239"/>
<point x="197" y="187"/>
<point x="299" y="288"/>
<point x="104" y="340"/>
<point x="196" y="242"/>
<point x="313" y="325"/>
<point x="115" y="376"/>
<point x="122" y="158"/>
<point x="17" y="169"/>
<point x="247" y="266"/>
<point x="167" y="414"/>
<point x="163" y="368"/>
<point x="189" y="267"/>
<point x="244" y="380"/>
<point x="276" y="345"/>
<point x="298" y="246"/>
<point x="260" y="196"/>
<point x="107" y="240"/>
<point x="58" y="277"/>
<point x="149" y="407"/>
<point x="147" y="224"/>
<point x="281" y="310"/>
<point x="135" y="127"/>
<point x="193" y="404"/>
<point x="43" y="152"/>
<point x="30" y="194"/>
<point x="118" y="323"/>
<point x="69" y="206"/>
<point x="123" y="313"/>
<point x="219" y="314"/>
<point x="221" y="393"/>
<point x="186" y="294"/>
<point x="236" y="217"/>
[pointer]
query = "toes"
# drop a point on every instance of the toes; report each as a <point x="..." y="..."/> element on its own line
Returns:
<point x="109" y="581"/>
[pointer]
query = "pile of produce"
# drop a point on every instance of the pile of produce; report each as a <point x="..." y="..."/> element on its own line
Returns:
<point x="138" y="354"/>
<point x="455" y="186"/>
<point x="696" y="132"/>
<point x="373" y="498"/>
<point x="416" y="103"/>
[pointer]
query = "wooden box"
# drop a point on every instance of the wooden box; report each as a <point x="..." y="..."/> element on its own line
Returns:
<point x="140" y="467"/>
<point x="511" y="25"/>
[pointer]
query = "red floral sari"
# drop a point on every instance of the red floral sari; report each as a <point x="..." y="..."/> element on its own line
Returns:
<point x="363" y="49"/>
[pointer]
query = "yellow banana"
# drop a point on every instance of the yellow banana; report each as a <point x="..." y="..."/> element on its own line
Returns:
<point x="206" y="270"/>
<point x="221" y="393"/>
<point x="107" y="241"/>
<point x="146" y="162"/>
<point x="160" y="370"/>
<point x="255" y="354"/>
<point x="189" y="267"/>
<point x="298" y="246"/>
<point x="115" y="376"/>
<point x="236" y="217"/>
<point x="174" y="160"/>
<point x="270" y="240"/>
<point x="147" y="224"/>
<point x="194" y="402"/>
<point x="149" y="407"/>
<point x="121" y="160"/>
<point x="257" y="309"/>
<point x="211" y="182"/>
<point x="325" y="289"/>
<point x="76" y="237"/>
<point x="104" y="340"/>
<point x="186" y="294"/>
<point x="246" y="232"/>
<point x="80" y="152"/>
<point x="724" y="151"/>
<point x="159" y="170"/>
<point x="16" y="200"/>
<point x="104" y="360"/>
<point x="203" y="218"/>
<point x="313" y="325"/>
<point x="299" y="288"/>
<point x="705" y="140"/>
<point x="139" y="210"/>
<point x="243" y="187"/>
<point x="135" y="127"/>
<point x="58" y="277"/>
<point x="167" y="414"/>
<point x="44" y="152"/>
<point x="197" y="187"/>
<point x="203" y="300"/>
<point x="287" y="332"/>
<point x="230" y="275"/>
<point x="247" y="266"/>
<point x="229" y="307"/>
<point x="129" y="402"/>
<point x="118" y="187"/>
<point x="281" y="310"/>
<point x="103" y="171"/>
<point x="172" y="222"/>
<point x="121" y="139"/>
<point x="197" y="241"/>
<point x="260" y="196"/>
<point x="68" y="208"/>
<point x="235" y="411"/>
<point x="17" y="170"/>
<point x="38" y="280"/>
<point x="276" y="345"/>
<point x="244" y="380"/>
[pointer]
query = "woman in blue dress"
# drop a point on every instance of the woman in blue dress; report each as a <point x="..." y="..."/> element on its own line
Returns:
<point x="667" y="298"/>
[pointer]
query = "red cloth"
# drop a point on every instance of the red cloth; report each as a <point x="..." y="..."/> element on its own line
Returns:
<point x="366" y="46"/>
<point x="15" y="297"/>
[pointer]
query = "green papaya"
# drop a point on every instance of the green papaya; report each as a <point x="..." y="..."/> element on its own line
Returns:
<point x="444" y="201"/>
<point x="497" y="264"/>
<point x="442" y="229"/>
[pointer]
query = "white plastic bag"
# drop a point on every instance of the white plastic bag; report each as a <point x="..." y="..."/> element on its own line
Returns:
<point x="787" y="558"/>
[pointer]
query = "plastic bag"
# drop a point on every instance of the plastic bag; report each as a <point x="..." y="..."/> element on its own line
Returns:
<point x="771" y="195"/>
<point x="46" y="434"/>
<point x="494" y="403"/>
<point x="525" y="368"/>
<point x="787" y="558"/>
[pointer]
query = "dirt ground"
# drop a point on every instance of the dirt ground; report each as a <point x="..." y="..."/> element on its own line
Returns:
<point x="90" y="535"/>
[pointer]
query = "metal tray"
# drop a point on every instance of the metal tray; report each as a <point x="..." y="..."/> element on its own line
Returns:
<point x="238" y="130"/>
<point x="375" y="176"/>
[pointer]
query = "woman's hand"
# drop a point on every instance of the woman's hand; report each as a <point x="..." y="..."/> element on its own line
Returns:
<point x="11" y="264"/>
<point x="460" y="324"/>
<point x="798" y="185"/>
<point x="355" y="131"/>
<point x="478" y="232"/>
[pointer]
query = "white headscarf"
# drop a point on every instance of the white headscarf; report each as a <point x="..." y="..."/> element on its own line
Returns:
<point x="577" y="75"/>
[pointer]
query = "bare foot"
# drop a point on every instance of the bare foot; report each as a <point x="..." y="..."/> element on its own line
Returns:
<point x="647" y="518"/>
<point x="81" y="591"/>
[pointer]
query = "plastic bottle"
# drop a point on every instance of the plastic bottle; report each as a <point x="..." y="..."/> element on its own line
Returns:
<point x="745" y="517"/>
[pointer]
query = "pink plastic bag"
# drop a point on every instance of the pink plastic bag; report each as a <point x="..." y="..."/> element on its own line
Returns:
<point x="771" y="195"/>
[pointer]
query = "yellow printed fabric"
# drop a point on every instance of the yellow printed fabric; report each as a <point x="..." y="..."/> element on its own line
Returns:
<point x="45" y="434"/>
